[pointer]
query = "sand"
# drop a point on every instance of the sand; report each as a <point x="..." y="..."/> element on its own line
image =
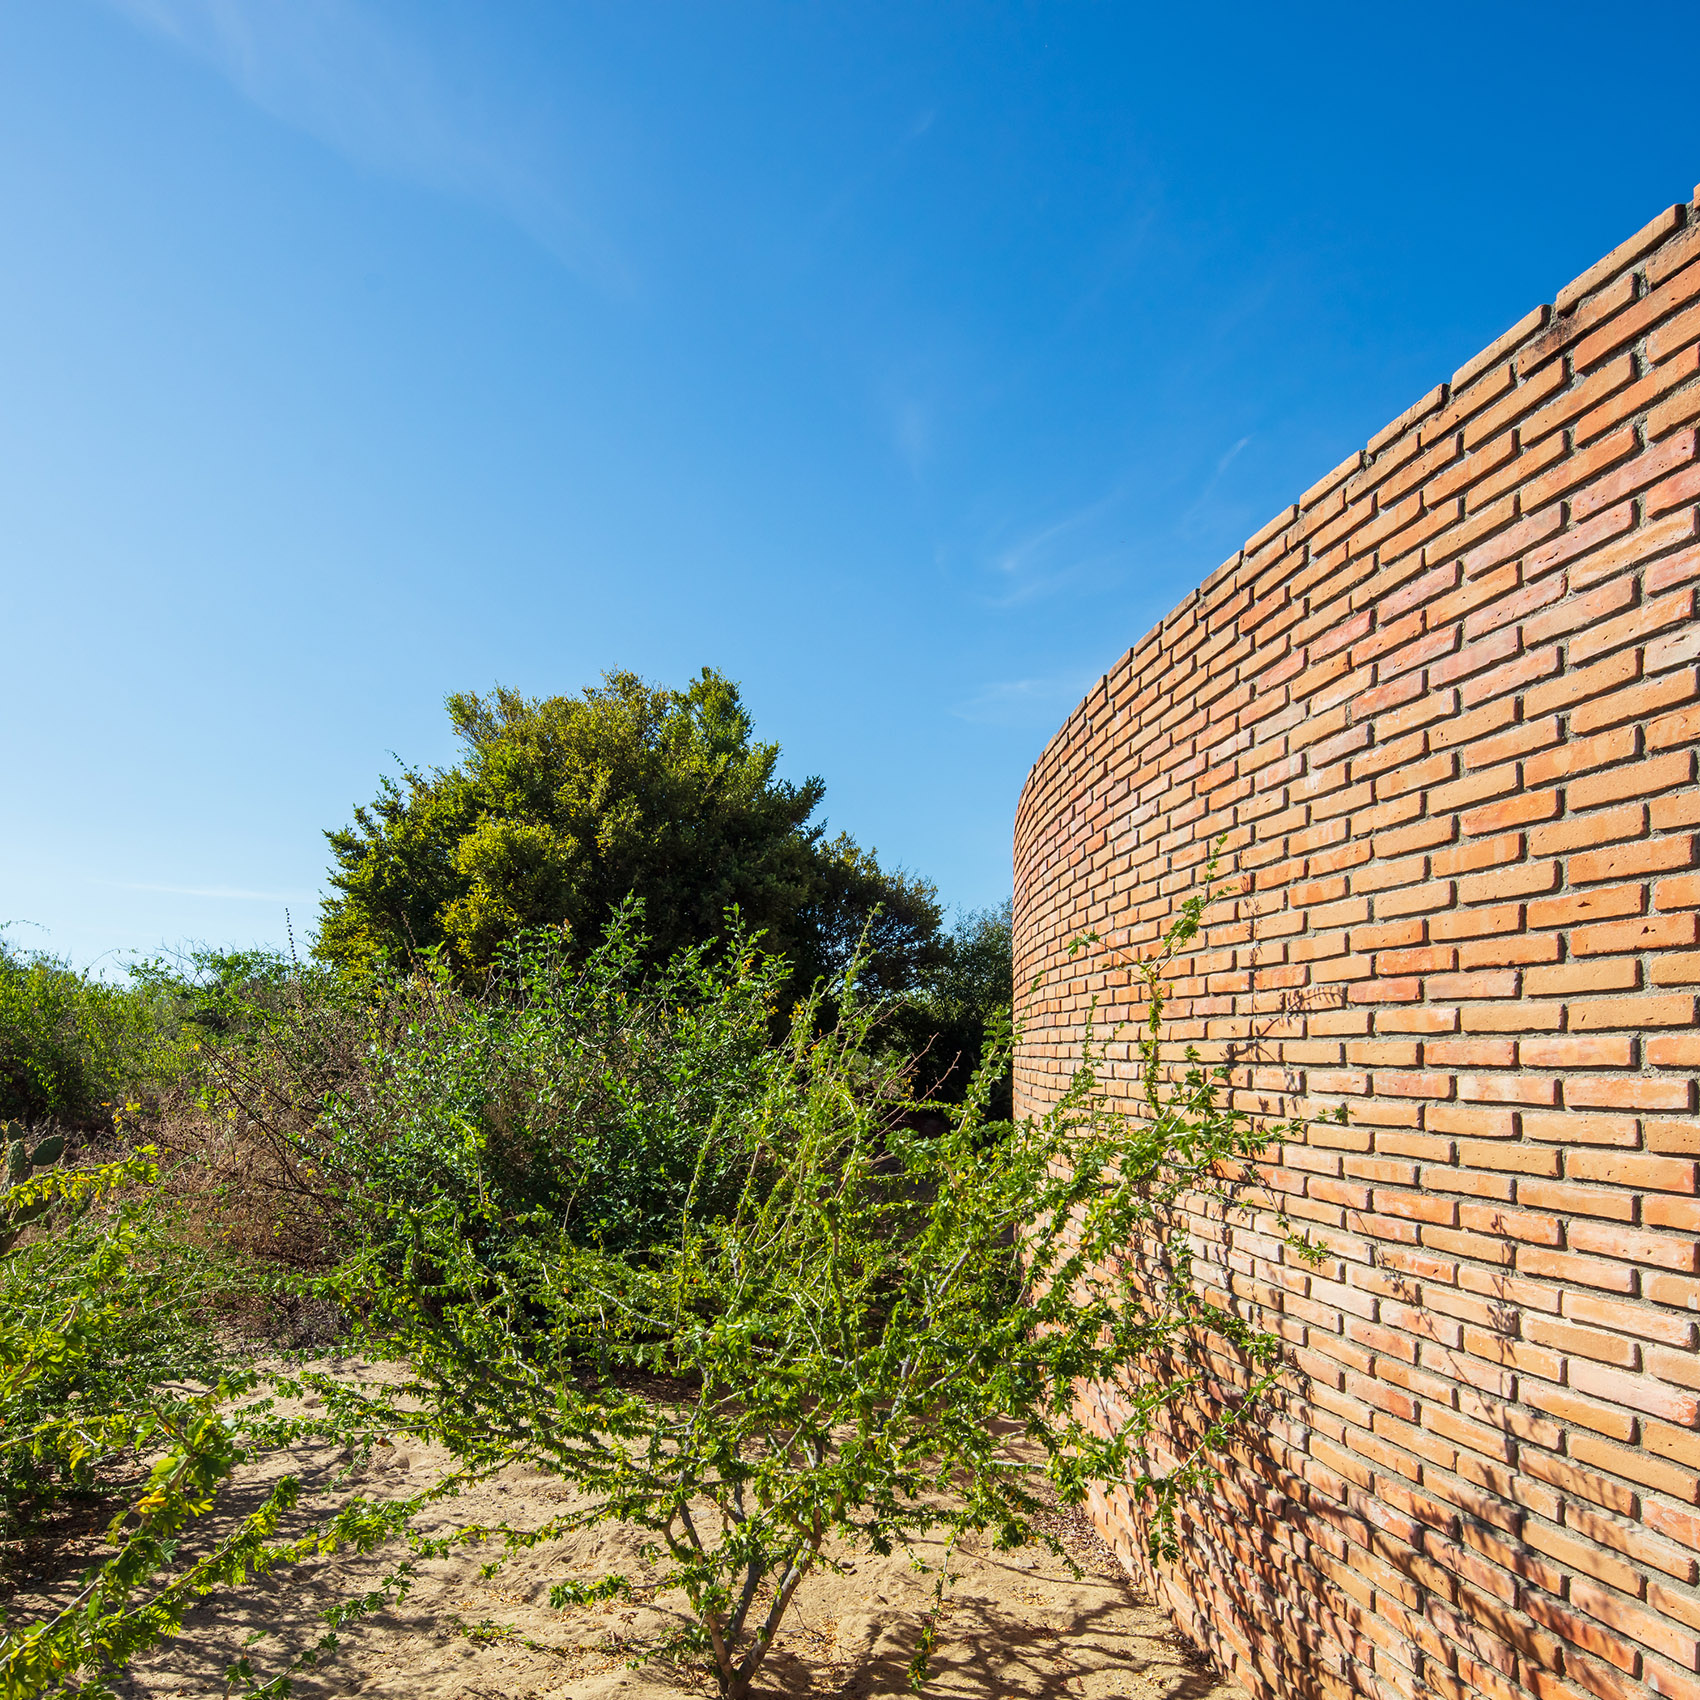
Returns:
<point x="1014" y="1624"/>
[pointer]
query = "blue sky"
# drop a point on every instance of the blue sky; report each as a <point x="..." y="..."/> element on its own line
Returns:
<point x="905" y="362"/>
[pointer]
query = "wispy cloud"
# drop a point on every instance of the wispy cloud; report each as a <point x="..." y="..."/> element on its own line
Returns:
<point x="863" y="180"/>
<point x="1025" y="702"/>
<point x="1067" y="552"/>
<point x="225" y="893"/>
<point x="912" y="433"/>
<point x="1203" y="510"/>
<point x="331" y="68"/>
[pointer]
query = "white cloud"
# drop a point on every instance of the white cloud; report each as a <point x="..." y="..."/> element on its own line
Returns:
<point x="1202" y="513"/>
<point x="334" y="70"/>
<point x="1025" y="702"/>
<point x="225" y="893"/>
<point x="912" y="434"/>
<point x="1065" y="552"/>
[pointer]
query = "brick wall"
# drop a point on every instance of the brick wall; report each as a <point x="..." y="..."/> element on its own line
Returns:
<point x="1445" y="708"/>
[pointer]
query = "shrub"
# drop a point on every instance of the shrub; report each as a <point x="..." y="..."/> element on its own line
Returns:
<point x="581" y="1094"/>
<point x="96" y="1306"/>
<point x="115" y="1394"/>
<point x="73" y="1047"/>
<point x="232" y="994"/>
<point x="108" y="1374"/>
<point x="843" y="1352"/>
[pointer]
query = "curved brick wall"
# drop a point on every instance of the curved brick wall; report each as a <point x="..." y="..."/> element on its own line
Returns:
<point x="1445" y="710"/>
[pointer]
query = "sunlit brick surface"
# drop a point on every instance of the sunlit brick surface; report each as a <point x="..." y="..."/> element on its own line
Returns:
<point x="1446" y="710"/>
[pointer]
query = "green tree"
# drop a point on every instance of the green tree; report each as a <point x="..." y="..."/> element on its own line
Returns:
<point x="946" y="1019"/>
<point x="563" y="806"/>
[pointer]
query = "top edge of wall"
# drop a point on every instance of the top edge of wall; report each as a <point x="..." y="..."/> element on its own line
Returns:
<point x="1540" y="334"/>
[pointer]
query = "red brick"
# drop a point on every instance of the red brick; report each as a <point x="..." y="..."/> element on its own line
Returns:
<point x="1577" y="1051"/>
<point x="1640" y="779"/>
<point x="1679" y="968"/>
<point x="1524" y="879"/>
<point x="1579" y="755"/>
<point x="1581" y="314"/>
<point x="1637" y="626"/>
<point x="1676" y="731"/>
<point x="1630" y="1318"/>
<point x="1679" y="490"/>
<point x="1580" y="612"/>
<point x="1579" y="540"/>
<point x="1622" y="327"/>
<point x="1534" y="528"/>
<point x="1646" y="541"/>
<point x="1672" y="814"/>
<point x="1654" y="236"/>
<point x="1639" y="396"/>
<point x="1649" y="467"/>
<point x="1633" y="1169"/>
<point x="1572" y="1127"/>
<point x="1603" y="1016"/>
<point x="1521" y="1017"/>
<point x="1496" y="817"/>
<point x="1602" y="382"/>
<point x="1573" y="908"/>
<point x="1578" y="468"/>
<point x="1638" y="702"/>
<point x="1482" y="853"/>
<point x="1681" y="568"/>
<point x="1512" y="676"/>
<point x="1675" y="337"/>
<point x="1581" y="684"/>
<point x="1650" y="932"/>
<point x="1631" y="1092"/>
<point x="1680" y="893"/>
<point x="1609" y="826"/>
<point x="1675" y="252"/>
<point x="1508" y="1089"/>
<point x="1610" y="1239"/>
<point x="1681" y="408"/>
<point x="1512" y="948"/>
<point x="1631" y="861"/>
<point x="1640" y="1625"/>
<point x="1526" y="396"/>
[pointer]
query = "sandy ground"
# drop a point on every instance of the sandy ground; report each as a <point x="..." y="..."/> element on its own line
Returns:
<point x="1014" y="1624"/>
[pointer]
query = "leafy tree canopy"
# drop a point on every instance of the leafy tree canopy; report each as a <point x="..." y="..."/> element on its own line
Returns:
<point x="945" y="1017"/>
<point x="562" y="806"/>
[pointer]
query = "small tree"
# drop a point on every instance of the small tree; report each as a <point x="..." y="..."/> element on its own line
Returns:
<point x="564" y="806"/>
<point x="113" y="1389"/>
<point x="845" y="1356"/>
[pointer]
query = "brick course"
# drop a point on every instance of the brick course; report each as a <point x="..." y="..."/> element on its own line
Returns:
<point x="1445" y="711"/>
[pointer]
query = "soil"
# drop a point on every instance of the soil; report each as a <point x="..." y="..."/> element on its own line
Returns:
<point x="1014" y="1623"/>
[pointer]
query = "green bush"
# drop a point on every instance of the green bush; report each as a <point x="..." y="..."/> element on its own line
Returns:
<point x="230" y="994"/>
<point x="870" y="1314"/>
<point x="99" y="1304"/>
<point x="72" y="1047"/>
<point x="115" y="1393"/>
<point x="109" y="1387"/>
<point x="585" y="1097"/>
